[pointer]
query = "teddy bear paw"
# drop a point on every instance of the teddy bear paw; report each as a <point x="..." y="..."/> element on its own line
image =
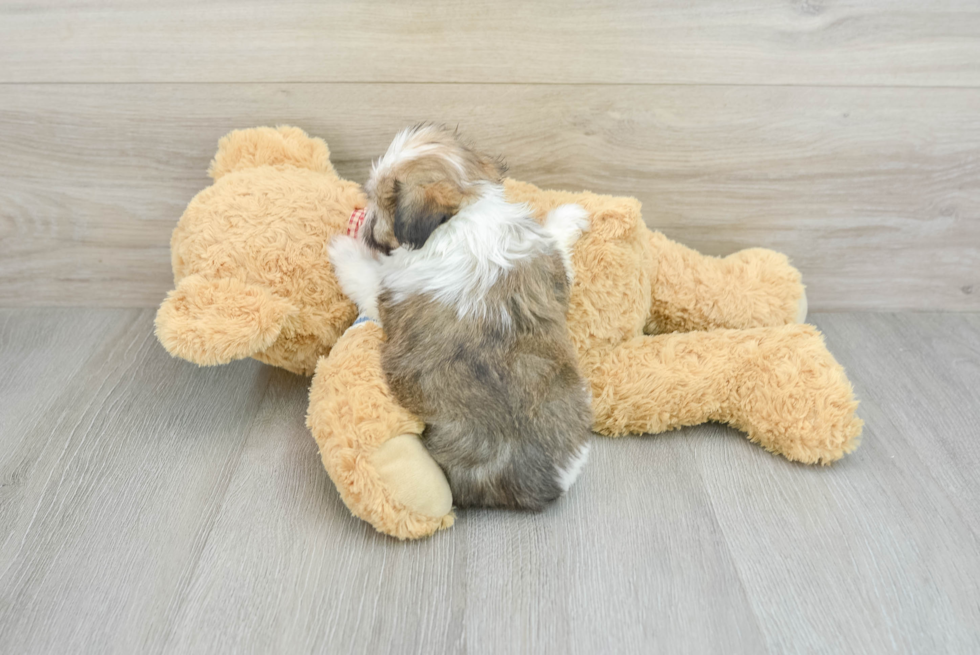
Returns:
<point x="412" y="477"/>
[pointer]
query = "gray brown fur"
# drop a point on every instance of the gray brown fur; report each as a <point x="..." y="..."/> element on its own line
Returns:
<point x="504" y="407"/>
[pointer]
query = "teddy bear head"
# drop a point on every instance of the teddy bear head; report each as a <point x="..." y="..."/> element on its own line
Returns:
<point x="251" y="274"/>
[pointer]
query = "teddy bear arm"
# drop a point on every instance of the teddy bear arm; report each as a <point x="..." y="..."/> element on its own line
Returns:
<point x="779" y="385"/>
<point x="370" y="445"/>
<point x="750" y="288"/>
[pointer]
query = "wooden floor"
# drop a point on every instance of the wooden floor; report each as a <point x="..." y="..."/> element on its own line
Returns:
<point x="150" y="506"/>
<point x="147" y="506"/>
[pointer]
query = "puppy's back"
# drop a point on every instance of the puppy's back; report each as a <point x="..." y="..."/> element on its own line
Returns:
<point x="507" y="412"/>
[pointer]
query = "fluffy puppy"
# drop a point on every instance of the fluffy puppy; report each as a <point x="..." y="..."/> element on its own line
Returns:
<point x="472" y="293"/>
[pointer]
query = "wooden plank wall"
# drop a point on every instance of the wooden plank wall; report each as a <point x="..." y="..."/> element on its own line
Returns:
<point x="845" y="134"/>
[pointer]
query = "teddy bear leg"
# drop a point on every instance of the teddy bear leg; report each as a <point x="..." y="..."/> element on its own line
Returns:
<point x="781" y="386"/>
<point x="750" y="288"/>
<point x="370" y="445"/>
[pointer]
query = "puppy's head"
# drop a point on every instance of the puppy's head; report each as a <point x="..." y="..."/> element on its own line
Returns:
<point x="427" y="175"/>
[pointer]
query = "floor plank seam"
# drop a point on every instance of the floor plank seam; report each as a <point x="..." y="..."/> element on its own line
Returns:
<point x="728" y="547"/>
<point x="182" y="591"/>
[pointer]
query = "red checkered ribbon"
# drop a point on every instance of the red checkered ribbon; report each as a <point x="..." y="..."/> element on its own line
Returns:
<point x="355" y="222"/>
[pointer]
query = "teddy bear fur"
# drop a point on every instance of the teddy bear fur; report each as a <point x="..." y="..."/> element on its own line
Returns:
<point x="248" y="258"/>
<point x="666" y="336"/>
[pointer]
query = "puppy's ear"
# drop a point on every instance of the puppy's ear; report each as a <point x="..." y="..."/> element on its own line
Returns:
<point x="494" y="168"/>
<point x="422" y="208"/>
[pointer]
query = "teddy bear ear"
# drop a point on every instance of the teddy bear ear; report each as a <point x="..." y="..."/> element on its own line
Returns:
<point x="211" y="322"/>
<point x="266" y="146"/>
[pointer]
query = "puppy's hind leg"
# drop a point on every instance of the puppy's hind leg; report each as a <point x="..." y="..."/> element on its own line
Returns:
<point x="359" y="273"/>
<point x="568" y="474"/>
<point x="566" y="224"/>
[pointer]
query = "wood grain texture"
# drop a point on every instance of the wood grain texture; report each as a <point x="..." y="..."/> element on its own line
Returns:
<point x="111" y="478"/>
<point x="874" y="193"/>
<point x="150" y="506"/>
<point x="905" y="504"/>
<point x="826" y="42"/>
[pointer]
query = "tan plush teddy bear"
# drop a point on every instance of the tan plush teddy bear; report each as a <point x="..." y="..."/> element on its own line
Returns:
<point x="666" y="336"/>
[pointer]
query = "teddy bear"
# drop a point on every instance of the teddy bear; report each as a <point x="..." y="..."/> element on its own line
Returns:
<point x="667" y="337"/>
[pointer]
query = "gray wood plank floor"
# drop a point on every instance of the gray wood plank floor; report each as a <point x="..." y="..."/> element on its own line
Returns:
<point x="150" y="506"/>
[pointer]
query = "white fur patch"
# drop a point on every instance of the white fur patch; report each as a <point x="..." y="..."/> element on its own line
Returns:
<point x="359" y="273"/>
<point x="409" y="144"/>
<point x="570" y="473"/>
<point x="566" y="224"/>
<point x="465" y="257"/>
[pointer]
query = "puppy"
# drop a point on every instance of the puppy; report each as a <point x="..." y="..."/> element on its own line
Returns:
<point x="472" y="293"/>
